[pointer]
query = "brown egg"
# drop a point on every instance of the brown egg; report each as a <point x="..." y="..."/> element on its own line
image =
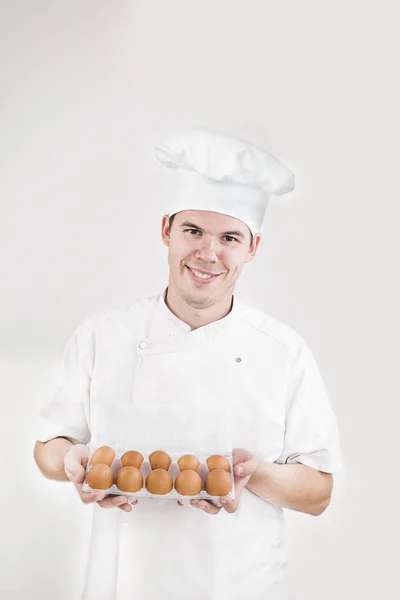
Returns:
<point x="100" y="477"/>
<point x="159" y="481"/>
<point x="218" y="483"/>
<point x="160" y="460"/>
<point x="132" y="459"/>
<point x="103" y="455"/>
<point x="129" y="479"/>
<point x="188" y="461"/>
<point x="217" y="461"/>
<point x="188" y="483"/>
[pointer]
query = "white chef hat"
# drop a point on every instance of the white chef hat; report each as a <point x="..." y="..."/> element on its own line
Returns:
<point x="219" y="172"/>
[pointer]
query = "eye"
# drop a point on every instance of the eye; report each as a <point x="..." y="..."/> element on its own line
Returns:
<point x="192" y="230"/>
<point x="230" y="239"/>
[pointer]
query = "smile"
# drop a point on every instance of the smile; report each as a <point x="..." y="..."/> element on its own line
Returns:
<point x="201" y="277"/>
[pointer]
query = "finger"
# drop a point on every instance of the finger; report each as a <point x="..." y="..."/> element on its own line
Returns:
<point x="75" y="460"/>
<point x="90" y="497"/>
<point x="80" y="474"/>
<point x="72" y="469"/>
<point x="209" y="508"/>
<point x="240" y="455"/>
<point x="126" y="507"/>
<point x="229" y="505"/>
<point x="246" y="468"/>
<point x="113" y="501"/>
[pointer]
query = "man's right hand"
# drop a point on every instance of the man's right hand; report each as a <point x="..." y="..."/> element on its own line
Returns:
<point x="75" y="463"/>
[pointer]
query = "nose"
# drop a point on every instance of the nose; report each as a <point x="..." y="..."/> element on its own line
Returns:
<point x="207" y="250"/>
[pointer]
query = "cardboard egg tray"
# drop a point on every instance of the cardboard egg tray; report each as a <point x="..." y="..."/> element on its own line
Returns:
<point x="174" y="472"/>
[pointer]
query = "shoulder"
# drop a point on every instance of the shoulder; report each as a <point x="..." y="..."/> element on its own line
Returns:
<point x="273" y="330"/>
<point x="117" y="318"/>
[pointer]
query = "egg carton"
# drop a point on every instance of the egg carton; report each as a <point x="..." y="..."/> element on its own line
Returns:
<point x="174" y="471"/>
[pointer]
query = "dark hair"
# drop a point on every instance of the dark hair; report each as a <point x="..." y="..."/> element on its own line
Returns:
<point x="172" y="217"/>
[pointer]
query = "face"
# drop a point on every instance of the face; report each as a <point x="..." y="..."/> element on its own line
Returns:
<point x="206" y="254"/>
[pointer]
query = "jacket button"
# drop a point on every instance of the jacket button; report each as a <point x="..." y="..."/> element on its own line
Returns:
<point x="142" y="345"/>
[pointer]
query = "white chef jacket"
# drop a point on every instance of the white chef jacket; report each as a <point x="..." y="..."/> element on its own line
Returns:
<point x="250" y="365"/>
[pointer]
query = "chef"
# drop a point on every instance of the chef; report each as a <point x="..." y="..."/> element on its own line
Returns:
<point x="187" y="366"/>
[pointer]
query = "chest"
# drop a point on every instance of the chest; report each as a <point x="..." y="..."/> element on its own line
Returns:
<point x="231" y="388"/>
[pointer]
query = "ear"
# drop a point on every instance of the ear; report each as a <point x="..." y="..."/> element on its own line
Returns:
<point x="253" y="248"/>
<point x="165" y="231"/>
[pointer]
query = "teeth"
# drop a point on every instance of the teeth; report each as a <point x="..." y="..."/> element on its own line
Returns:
<point x="201" y="275"/>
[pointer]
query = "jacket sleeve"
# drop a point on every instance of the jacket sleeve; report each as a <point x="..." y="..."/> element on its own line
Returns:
<point x="66" y="410"/>
<point x="311" y="432"/>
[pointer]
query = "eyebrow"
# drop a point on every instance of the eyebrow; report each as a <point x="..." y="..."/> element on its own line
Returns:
<point x="193" y="226"/>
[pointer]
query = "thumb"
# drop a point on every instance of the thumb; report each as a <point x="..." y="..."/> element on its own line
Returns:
<point x="80" y="474"/>
<point x="246" y="468"/>
<point x="74" y="464"/>
<point x="73" y="470"/>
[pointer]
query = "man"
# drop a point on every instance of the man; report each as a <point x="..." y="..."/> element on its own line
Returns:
<point x="196" y="350"/>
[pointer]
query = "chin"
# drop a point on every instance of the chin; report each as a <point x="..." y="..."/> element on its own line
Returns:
<point x="197" y="300"/>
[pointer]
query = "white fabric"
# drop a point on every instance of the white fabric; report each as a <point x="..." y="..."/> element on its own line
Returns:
<point x="280" y="412"/>
<point x="222" y="173"/>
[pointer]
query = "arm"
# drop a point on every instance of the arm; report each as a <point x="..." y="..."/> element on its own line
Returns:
<point x="293" y="486"/>
<point x="64" y="418"/>
<point x="49" y="457"/>
<point x="61" y="460"/>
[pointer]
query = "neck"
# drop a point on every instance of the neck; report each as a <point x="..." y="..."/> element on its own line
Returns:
<point x="196" y="317"/>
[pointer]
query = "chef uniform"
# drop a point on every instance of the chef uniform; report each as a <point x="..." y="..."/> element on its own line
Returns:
<point x="247" y="371"/>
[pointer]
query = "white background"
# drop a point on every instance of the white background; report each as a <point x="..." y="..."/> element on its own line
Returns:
<point x="87" y="89"/>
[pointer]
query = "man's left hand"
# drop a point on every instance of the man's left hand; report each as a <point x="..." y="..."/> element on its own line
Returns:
<point x="244" y="465"/>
